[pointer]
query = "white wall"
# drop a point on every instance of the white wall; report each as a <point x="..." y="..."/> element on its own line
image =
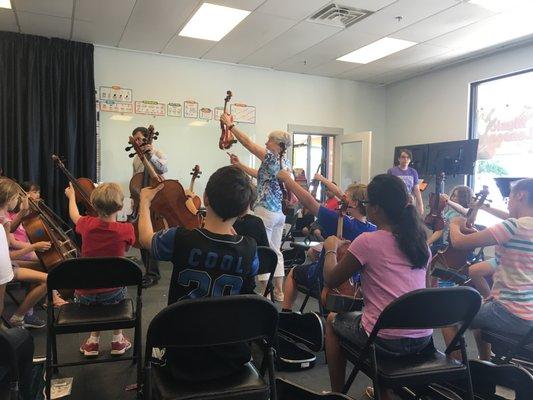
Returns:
<point x="281" y="98"/>
<point x="434" y="107"/>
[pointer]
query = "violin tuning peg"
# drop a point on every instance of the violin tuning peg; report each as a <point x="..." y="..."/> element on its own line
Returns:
<point x="131" y="155"/>
<point x="128" y="148"/>
<point x="155" y="137"/>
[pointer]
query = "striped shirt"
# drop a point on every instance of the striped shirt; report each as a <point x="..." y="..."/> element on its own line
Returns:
<point x="513" y="278"/>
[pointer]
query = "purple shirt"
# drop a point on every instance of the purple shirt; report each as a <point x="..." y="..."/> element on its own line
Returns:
<point x="386" y="275"/>
<point x="409" y="176"/>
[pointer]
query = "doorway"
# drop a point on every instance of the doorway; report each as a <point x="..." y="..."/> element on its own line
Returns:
<point x="352" y="158"/>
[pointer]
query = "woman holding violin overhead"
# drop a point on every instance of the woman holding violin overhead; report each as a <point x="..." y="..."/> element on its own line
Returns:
<point x="159" y="161"/>
<point x="269" y="192"/>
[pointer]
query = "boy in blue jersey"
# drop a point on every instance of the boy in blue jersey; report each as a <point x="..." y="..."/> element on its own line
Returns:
<point x="354" y="224"/>
<point x="208" y="261"/>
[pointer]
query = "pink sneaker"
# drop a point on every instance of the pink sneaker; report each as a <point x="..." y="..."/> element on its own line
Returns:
<point x="89" y="349"/>
<point x="119" y="348"/>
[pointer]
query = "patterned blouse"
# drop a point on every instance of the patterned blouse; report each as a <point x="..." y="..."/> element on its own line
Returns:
<point x="269" y="193"/>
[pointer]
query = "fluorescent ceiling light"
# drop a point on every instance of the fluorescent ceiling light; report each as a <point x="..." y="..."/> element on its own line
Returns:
<point x="121" y="117"/>
<point x="376" y="50"/>
<point x="213" y="22"/>
<point x="5" y="3"/>
<point x="504" y="5"/>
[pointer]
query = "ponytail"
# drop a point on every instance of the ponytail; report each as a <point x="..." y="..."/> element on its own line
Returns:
<point x="390" y="194"/>
<point x="411" y="237"/>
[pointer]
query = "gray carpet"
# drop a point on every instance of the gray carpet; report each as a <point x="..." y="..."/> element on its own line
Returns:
<point x="109" y="381"/>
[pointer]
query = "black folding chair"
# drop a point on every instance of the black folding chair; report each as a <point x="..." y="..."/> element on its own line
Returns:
<point x="268" y="260"/>
<point x="10" y="389"/>
<point x="419" y="309"/>
<point x="507" y="347"/>
<point x="290" y="391"/>
<point x="93" y="273"/>
<point x="213" y="321"/>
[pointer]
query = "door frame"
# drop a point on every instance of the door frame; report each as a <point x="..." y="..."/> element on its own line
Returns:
<point x="366" y="141"/>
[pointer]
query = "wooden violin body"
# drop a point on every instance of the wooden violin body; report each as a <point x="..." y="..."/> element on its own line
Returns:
<point x="226" y="137"/>
<point x="83" y="187"/>
<point x="170" y="203"/>
<point x="435" y="220"/>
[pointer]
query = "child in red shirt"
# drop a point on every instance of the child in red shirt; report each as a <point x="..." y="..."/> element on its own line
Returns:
<point x="102" y="236"/>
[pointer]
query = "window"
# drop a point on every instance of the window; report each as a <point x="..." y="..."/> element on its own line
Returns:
<point x="502" y="120"/>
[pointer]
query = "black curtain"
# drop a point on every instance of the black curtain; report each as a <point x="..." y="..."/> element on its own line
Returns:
<point x="47" y="106"/>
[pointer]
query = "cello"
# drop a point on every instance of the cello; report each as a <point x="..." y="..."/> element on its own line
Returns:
<point x="170" y="202"/>
<point x="435" y="220"/>
<point x="226" y="139"/>
<point x="349" y="289"/>
<point x="83" y="187"/>
<point x="451" y="262"/>
<point x="41" y="225"/>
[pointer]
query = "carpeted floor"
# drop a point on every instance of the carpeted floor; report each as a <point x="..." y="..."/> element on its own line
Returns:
<point x="109" y="381"/>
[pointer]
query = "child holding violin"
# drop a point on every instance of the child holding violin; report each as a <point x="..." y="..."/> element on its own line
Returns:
<point x="392" y="262"/>
<point x="355" y="223"/>
<point x="9" y="198"/>
<point x="207" y="261"/>
<point x="509" y="308"/>
<point x="102" y="236"/>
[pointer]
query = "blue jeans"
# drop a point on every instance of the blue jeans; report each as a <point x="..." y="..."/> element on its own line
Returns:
<point x="103" y="298"/>
<point x="348" y="325"/>
<point x="495" y="317"/>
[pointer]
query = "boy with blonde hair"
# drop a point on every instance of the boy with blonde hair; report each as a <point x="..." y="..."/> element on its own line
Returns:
<point x="102" y="236"/>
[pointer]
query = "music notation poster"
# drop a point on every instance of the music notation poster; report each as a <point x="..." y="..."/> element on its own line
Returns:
<point x="174" y="110"/>
<point x="218" y="113"/>
<point x="243" y="113"/>
<point x="116" y="93"/>
<point x="205" y="113"/>
<point x="115" y="106"/>
<point x="149" y="107"/>
<point x="190" y="109"/>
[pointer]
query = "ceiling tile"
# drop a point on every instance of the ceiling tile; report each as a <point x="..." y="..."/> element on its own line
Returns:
<point x="498" y="29"/>
<point x="295" y="40"/>
<point x="328" y="50"/>
<point x="412" y="55"/>
<point x="154" y="22"/>
<point x="249" y="5"/>
<point x="453" y="18"/>
<point x="188" y="47"/>
<point x="7" y="20"/>
<point x="44" y="25"/>
<point x="385" y="22"/>
<point x="364" y="71"/>
<point x="331" y="68"/>
<point x="56" y="8"/>
<point x="247" y="37"/>
<point x="91" y="25"/>
<point x="293" y="9"/>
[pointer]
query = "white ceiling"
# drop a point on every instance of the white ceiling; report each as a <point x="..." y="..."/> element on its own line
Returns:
<point x="277" y="34"/>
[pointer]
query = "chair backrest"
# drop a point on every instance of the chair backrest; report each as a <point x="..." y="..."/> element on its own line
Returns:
<point x="290" y="391"/>
<point x="9" y="358"/>
<point x="485" y="377"/>
<point x="430" y="308"/>
<point x="213" y="321"/>
<point x="268" y="260"/>
<point x="94" y="273"/>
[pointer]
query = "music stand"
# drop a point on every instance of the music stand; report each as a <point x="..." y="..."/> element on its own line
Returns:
<point x="505" y="184"/>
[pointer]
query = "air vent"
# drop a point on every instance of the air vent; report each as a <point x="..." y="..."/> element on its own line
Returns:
<point x="338" y="15"/>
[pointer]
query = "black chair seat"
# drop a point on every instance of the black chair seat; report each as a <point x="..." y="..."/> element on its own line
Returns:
<point x="247" y="385"/>
<point x="409" y="369"/>
<point x="78" y="314"/>
<point x="502" y="343"/>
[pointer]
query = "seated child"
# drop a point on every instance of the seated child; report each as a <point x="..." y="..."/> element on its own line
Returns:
<point x="208" y="261"/>
<point x="509" y="308"/>
<point x="392" y="262"/>
<point x="102" y="236"/>
<point x="9" y="197"/>
<point x="355" y="223"/>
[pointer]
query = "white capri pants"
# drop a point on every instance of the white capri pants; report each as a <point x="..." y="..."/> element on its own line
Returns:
<point x="274" y="224"/>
